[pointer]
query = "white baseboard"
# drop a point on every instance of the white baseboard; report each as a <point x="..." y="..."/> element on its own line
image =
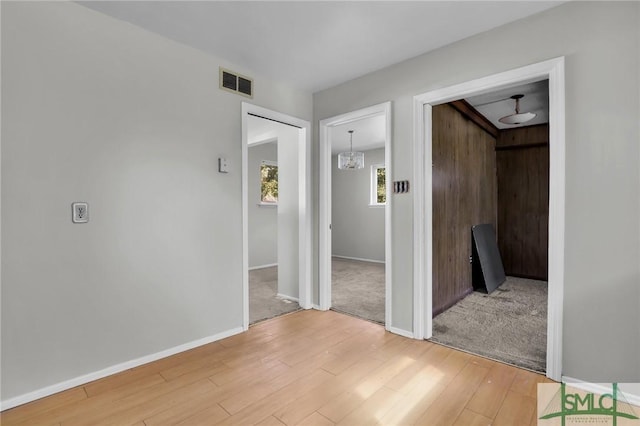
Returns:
<point x="284" y="296"/>
<point x="358" y="259"/>
<point x="400" y="332"/>
<point x="631" y="390"/>
<point x="90" y="377"/>
<point x="270" y="265"/>
<point x="316" y="307"/>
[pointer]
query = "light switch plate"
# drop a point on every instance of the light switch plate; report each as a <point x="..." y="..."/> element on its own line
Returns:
<point x="223" y="166"/>
<point x="80" y="212"/>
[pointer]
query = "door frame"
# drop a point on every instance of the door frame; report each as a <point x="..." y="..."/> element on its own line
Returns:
<point x="304" y="205"/>
<point x="553" y="70"/>
<point x="324" y="233"/>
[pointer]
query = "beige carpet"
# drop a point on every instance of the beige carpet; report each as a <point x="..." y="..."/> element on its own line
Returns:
<point x="263" y="300"/>
<point x="509" y="325"/>
<point x="357" y="288"/>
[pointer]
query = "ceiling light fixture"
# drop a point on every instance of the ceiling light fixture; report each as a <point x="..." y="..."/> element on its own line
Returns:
<point x="351" y="160"/>
<point x="518" y="117"/>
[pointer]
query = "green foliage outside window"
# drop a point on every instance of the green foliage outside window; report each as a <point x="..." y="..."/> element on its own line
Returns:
<point x="268" y="183"/>
<point x="381" y="180"/>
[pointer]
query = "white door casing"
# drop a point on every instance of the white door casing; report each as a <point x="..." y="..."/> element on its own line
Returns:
<point x="553" y="70"/>
<point x="324" y="235"/>
<point x="304" y="207"/>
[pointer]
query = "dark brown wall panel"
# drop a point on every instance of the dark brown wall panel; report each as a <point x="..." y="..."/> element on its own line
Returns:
<point x="523" y="200"/>
<point x="464" y="194"/>
<point x="530" y="135"/>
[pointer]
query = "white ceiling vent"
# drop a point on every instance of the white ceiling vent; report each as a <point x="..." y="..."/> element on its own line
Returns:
<point x="236" y="83"/>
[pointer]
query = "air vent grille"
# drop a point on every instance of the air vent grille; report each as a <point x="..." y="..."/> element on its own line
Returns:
<point x="236" y="83"/>
<point x="244" y="85"/>
<point x="229" y="81"/>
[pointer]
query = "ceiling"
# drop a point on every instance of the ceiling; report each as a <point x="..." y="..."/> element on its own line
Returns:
<point x="368" y="133"/>
<point x="314" y="45"/>
<point x="496" y="105"/>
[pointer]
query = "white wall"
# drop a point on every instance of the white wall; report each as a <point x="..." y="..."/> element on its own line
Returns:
<point x="263" y="219"/>
<point x="288" y="210"/>
<point x="98" y="110"/>
<point x="601" y="43"/>
<point x="357" y="228"/>
<point x="291" y="160"/>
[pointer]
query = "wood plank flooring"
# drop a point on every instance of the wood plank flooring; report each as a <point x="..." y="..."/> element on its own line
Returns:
<point x="305" y="368"/>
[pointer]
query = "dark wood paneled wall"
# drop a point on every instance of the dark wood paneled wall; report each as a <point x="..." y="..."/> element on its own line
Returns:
<point x="464" y="194"/>
<point x="523" y="200"/>
<point x="523" y="136"/>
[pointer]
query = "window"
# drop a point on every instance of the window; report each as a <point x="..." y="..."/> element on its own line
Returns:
<point x="378" y="185"/>
<point x="268" y="182"/>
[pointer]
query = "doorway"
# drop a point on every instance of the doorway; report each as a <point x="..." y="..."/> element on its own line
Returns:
<point x="553" y="70"/>
<point x="350" y="263"/>
<point x="489" y="173"/>
<point x="276" y="213"/>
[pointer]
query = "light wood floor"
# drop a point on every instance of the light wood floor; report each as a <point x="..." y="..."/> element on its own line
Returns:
<point x="309" y="368"/>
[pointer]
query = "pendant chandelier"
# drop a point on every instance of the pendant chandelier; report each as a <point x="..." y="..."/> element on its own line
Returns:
<point x="351" y="160"/>
<point x="518" y="117"/>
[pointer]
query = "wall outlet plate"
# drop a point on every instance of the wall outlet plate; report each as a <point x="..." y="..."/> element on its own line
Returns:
<point x="80" y="212"/>
<point x="223" y="165"/>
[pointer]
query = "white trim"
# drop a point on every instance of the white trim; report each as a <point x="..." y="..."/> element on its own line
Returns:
<point x="400" y="332"/>
<point x="324" y="218"/>
<point x="316" y="307"/>
<point x="556" y="218"/>
<point x="359" y="259"/>
<point x="305" y="220"/>
<point x="304" y="207"/>
<point x="602" y="388"/>
<point x="90" y="377"/>
<point x="324" y="208"/>
<point x="421" y="301"/>
<point x="284" y="296"/>
<point x="269" y="265"/>
<point x="388" y="255"/>
<point x="554" y="71"/>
